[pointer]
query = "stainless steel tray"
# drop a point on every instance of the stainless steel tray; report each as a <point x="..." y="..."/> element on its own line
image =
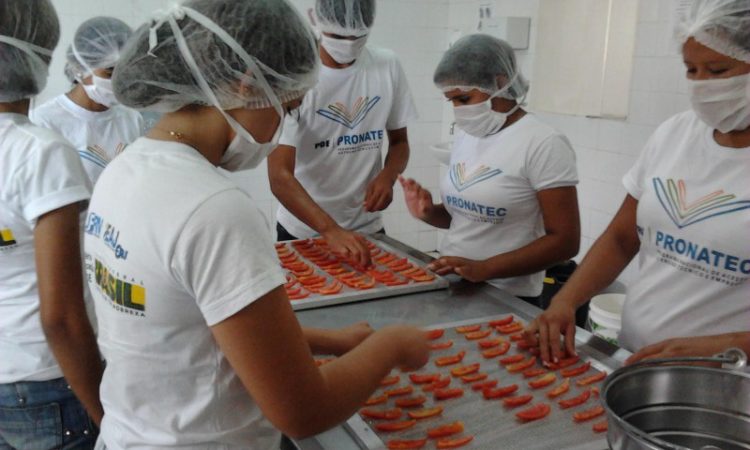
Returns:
<point x="350" y="295"/>
<point x="488" y="421"/>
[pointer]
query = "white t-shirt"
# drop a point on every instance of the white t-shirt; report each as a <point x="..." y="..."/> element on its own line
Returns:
<point x="340" y="135"/>
<point x="491" y="188"/>
<point x="174" y="247"/>
<point x="694" y="224"/>
<point x="98" y="136"/>
<point x="39" y="173"/>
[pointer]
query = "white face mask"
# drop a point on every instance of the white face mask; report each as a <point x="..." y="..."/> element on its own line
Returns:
<point x="481" y="120"/>
<point x="343" y="51"/>
<point x="244" y="152"/>
<point x="101" y="91"/>
<point x="724" y="103"/>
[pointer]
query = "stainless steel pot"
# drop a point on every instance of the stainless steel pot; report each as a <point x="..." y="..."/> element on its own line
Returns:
<point x="665" y="404"/>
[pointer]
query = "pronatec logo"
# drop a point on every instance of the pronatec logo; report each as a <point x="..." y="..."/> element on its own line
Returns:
<point x="673" y="194"/>
<point x="463" y="180"/>
<point x="127" y="297"/>
<point x="350" y="118"/>
<point x="6" y="238"/>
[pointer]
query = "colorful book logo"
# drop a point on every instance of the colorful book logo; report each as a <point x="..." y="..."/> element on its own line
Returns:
<point x="673" y="198"/>
<point x="463" y="180"/>
<point x="338" y="112"/>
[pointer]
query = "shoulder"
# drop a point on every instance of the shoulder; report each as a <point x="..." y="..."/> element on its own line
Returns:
<point x="682" y="123"/>
<point x="382" y="57"/>
<point x="47" y="111"/>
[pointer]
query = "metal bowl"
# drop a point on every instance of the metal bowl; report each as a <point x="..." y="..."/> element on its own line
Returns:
<point x="677" y="407"/>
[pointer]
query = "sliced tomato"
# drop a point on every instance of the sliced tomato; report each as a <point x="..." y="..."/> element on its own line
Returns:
<point x="595" y="391"/>
<point x="403" y="444"/>
<point x="381" y="414"/>
<point x="334" y="270"/>
<point x="437" y="333"/>
<point x="366" y="284"/>
<point x="560" y="389"/>
<point x="426" y="412"/>
<point x="563" y="363"/>
<point x="311" y="280"/>
<point x="304" y="272"/>
<point x="424" y="278"/>
<point x="449" y="360"/>
<point x="468" y="328"/>
<point x="447" y="429"/>
<point x="299" y="296"/>
<point x="510" y="328"/>
<point x="517" y="337"/>
<point x="387" y="427"/>
<point x="385" y="258"/>
<point x="544" y="380"/>
<point x="441" y="345"/>
<point x="477" y="335"/>
<point x="534" y="372"/>
<point x="512" y="359"/>
<point x="465" y="370"/>
<point x="396" y="282"/>
<point x="411" y="402"/>
<point x="583" y="416"/>
<point x="500" y="392"/>
<point x="575" y="401"/>
<point x="424" y="378"/>
<point x="536" y="412"/>
<point x="524" y="345"/>
<point x="390" y="380"/>
<point x="482" y="385"/>
<point x="397" y="392"/>
<point x="279" y="245"/>
<point x="502" y="322"/>
<point x="497" y="351"/>
<point x="376" y="400"/>
<point x="396" y="262"/>
<point x="473" y="377"/>
<point x="591" y="379"/>
<point x="575" y="371"/>
<point x="521" y="366"/>
<point x="518" y="400"/>
<point x="331" y="289"/>
<point x="445" y="394"/>
<point x="454" y="443"/>
<point x="293" y="291"/>
<point x="443" y="382"/>
<point x="403" y="268"/>
<point x="489" y="343"/>
<point x="600" y="427"/>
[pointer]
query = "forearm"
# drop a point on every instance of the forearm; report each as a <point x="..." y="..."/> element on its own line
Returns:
<point x="396" y="159"/>
<point x="323" y="341"/>
<point x="538" y="255"/>
<point x="290" y="193"/>
<point x="438" y="217"/>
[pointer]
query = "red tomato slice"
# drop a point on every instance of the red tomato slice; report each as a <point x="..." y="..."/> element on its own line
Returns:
<point x="454" y="443"/>
<point x="410" y="270"/>
<point x="524" y="345"/>
<point x="595" y="391"/>
<point x="279" y="245"/>
<point x="391" y="380"/>
<point x="533" y="372"/>
<point x="364" y="285"/>
<point x="477" y="335"/>
<point x="426" y="412"/>
<point x="473" y="377"/>
<point x="443" y="382"/>
<point x="299" y="296"/>
<point x="376" y="400"/>
<point x="482" y="385"/>
<point x="497" y="351"/>
<point x="435" y="334"/>
<point x="404" y="444"/>
<point x="406" y="390"/>
<point x="411" y="402"/>
<point x="521" y="366"/>
<point x="395" y="426"/>
<point x="396" y="282"/>
<point x="575" y="401"/>
<point x="445" y="394"/>
<point x="397" y="262"/>
<point x="518" y="400"/>
<point x="311" y="280"/>
<point x="591" y="379"/>
<point x="448" y="360"/>
<point x="385" y="258"/>
<point x="293" y="291"/>
<point x="441" y="345"/>
<point x="536" y="412"/>
<point x="512" y="359"/>
<point x="424" y="378"/>
<point x="544" y="380"/>
<point x="517" y="337"/>
<point x="583" y="416"/>
<point x="465" y="370"/>
<point x="333" y="288"/>
<point x="500" y="392"/>
<point x="560" y="389"/>
<point x="423" y="278"/>
<point x="304" y="272"/>
<point x="381" y="414"/>
<point x="510" y="328"/>
<point x="575" y="371"/>
<point x="502" y="322"/>
<point x="446" y="430"/>
<point x="600" y="427"/>
<point x="489" y="343"/>
<point x="563" y="363"/>
<point x="468" y="328"/>
<point x="403" y="268"/>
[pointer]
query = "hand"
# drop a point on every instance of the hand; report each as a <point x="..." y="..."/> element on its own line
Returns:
<point x="349" y="246"/>
<point x="379" y="192"/>
<point x="351" y="336"/>
<point x="690" y="346"/>
<point x="418" y="200"/>
<point x="546" y="330"/>
<point x="469" y="269"/>
<point x="411" y="344"/>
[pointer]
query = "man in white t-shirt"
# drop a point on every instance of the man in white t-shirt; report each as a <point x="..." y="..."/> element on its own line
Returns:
<point x="88" y="116"/>
<point x="328" y="172"/>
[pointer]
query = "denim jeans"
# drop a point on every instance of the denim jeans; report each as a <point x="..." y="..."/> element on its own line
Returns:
<point x="41" y="415"/>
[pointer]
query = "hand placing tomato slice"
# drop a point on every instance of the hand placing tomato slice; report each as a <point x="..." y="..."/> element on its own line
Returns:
<point x="426" y="412"/>
<point x="600" y="427"/>
<point x="591" y="379"/>
<point x="575" y="401"/>
<point x="500" y="392"/>
<point x="437" y="333"/>
<point x="465" y="370"/>
<point x="449" y="360"/>
<point x="583" y="416"/>
<point x="489" y="343"/>
<point x="387" y="427"/>
<point x="454" y="443"/>
<point x="510" y="328"/>
<point x="381" y="414"/>
<point x="544" y="380"/>
<point x="446" y="430"/>
<point x="560" y="389"/>
<point x="533" y="372"/>
<point x="376" y="400"/>
<point x="521" y="366"/>
<point x="441" y="345"/>
<point x="473" y="336"/>
<point x="501" y="322"/>
<point x="424" y="378"/>
<point x="512" y="359"/>
<point x="536" y="412"/>
<point x="443" y="382"/>
<point x="468" y="328"/>
<point x="391" y="380"/>
<point x="575" y="371"/>
<point x="405" y="444"/>
<point x="497" y="351"/>
<point x="411" y="402"/>
<point x="473" y="377"/>
<point x="445" y="394"/>
<point x="406" y="390"/>
<point x="482" y="385"/>
<point x="518" y="400"/>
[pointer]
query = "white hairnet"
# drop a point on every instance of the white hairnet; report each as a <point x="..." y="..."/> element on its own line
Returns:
<point x="481" y="62"/>
<point x="345" y="17"/>
<point x="721" y="25"/>
<point x="29" y="31"/>
<point x="96" y="45"/>
<point x="224" y="53"/>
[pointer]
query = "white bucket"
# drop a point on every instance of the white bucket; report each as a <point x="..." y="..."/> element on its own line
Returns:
<point x="605" y="316"/>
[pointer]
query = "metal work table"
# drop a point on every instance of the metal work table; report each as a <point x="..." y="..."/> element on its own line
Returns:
<point x="461" y="301"/>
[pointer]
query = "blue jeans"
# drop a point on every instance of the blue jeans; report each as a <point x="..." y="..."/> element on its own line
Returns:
<point x="41" y="415"/>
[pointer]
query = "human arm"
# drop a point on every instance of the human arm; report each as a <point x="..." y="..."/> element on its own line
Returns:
<point x="419" y="203"/>
<point x="692" y="346"/>
<point x="338" y="341"/>
<point x="62" y="309"/>
<point x="379" y="192"/>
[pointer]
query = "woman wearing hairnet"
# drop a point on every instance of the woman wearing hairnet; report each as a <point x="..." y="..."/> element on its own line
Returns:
<point x="88" y="116"/>
<point x="44" y="330"/>
<point x="203" y="349"/>
<point x="687" y="212"/>
<point x="509" y="198"/>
